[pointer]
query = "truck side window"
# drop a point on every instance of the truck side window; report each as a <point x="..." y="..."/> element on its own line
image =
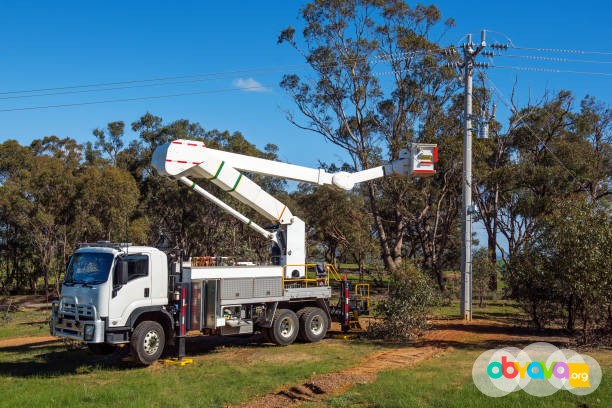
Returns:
<point x="138" y="266"/>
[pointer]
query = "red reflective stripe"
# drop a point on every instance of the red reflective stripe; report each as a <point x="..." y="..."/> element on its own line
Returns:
<point x="168" y="160"/>
<point x="346" y="303"/>
<point x="181" y="161"/>
<point x="435" y="154"/>
<point x="426" y="162"/>
<point x="423" y="171"/>
<point x="196" y="162"/>
<point x="192" y="144"/>
<point x="177" y="142"/>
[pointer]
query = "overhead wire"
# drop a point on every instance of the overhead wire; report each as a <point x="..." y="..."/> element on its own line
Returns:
<point x="554" y="59"/>
<point x="382" y="57"/>
<point x="227" y="76"/>
<point x="247" y="88"/>
<point x="134" y="99"/>
<point x="561" y="50"/>
<point x="201" y="77"/>
<point x="552" y="70"/>
<point x="160" y="79"/>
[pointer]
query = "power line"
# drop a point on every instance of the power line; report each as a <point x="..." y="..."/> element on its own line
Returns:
<point x="117" y="88"/>
<point x="134" y="99"/>
<point x="200" y="77"/>
<point x="560" y="50"/>
<point x="539" y="58"/>
<point x="242" y="71"/>
<point x="542" y="49"/>
<point x="262" y="87"/>
<point x="402" y="55"/>
<point x="556" y="71"/>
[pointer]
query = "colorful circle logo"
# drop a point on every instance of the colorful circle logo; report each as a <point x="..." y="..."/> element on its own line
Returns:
<point x="540" y="369"/>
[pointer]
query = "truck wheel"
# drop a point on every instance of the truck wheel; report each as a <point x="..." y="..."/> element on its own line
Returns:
<point x="285" y="327"/>
<point x="299" y="315"/>
<point x="313" y="324"/>
<point x="148" y="341"/>
<point x="101" y="349"/>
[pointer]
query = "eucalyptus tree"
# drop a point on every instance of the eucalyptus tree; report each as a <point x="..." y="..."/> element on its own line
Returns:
<point x="376" y="76"/>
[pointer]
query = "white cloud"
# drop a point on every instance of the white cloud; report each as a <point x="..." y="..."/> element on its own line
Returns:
<point x="249" y="85"/>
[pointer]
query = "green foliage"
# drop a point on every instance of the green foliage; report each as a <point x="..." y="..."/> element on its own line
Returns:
<point x="338" y="223"/>
<point x="566" y="273"/>
<point x="403" y="314"/>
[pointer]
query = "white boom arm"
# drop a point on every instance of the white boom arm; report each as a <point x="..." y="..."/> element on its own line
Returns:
<point x="182" y="159"/>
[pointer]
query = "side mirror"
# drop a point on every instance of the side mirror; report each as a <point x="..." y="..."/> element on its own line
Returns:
<point x="121" y="273"/>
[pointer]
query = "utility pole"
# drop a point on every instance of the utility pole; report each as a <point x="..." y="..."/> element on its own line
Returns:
<point x="469" y="54"/>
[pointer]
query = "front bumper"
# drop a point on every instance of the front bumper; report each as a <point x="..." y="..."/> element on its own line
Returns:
<point x="70" y="319"/>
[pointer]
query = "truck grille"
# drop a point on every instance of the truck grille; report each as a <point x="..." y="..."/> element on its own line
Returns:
<point x="79" y="312"/>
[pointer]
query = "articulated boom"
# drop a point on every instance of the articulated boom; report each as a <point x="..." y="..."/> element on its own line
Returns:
<point x="186" y="159"/>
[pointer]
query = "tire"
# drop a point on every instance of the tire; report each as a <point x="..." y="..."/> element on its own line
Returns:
<point x="285" y="327"/>
<point x="101" y="349"/>
<point x="299" y="315"/>
<point x="147" y="342"/>
<point x="313" y="324"/>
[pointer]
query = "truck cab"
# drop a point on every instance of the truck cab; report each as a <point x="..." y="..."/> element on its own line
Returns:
<point x="106" y="288"/>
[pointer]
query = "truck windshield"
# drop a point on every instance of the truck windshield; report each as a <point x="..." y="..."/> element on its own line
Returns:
<point x="88" y="268"/>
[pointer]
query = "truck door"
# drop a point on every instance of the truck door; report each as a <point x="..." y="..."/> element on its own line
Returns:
<point x="135" y="293"/>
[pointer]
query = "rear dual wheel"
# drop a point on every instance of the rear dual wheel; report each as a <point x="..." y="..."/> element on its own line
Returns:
<point x="285" y="327"/>
<point x="313" y="324"/>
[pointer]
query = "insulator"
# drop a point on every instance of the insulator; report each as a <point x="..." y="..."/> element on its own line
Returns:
<point x="499" y="46"/>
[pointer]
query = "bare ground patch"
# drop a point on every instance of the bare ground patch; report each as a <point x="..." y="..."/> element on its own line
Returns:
<point x="27" y="341"/>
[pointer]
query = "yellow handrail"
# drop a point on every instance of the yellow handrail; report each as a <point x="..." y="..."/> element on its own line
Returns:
<point x="306" y="279"/>
<point x="364" y="295"/>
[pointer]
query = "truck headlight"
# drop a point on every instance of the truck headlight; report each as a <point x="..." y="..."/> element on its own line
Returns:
<point x="89" y="332"/>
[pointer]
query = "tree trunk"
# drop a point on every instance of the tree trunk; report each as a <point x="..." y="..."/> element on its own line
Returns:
<point x="361" y="266"/>
<point x="492" y="248"/>
<point x="390" y="261"/>
<point x="440" y="279"/>
<point x="571" y="314"/>
<point x="585" y="324"/>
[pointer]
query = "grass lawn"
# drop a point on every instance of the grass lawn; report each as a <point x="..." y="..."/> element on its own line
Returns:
<point x="46" y="373"/>
<point x="446" y="381"/>
<point x="26" y="323"/>
<point x="492" y="309"/>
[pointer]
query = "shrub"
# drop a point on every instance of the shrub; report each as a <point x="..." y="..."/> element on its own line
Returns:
<point x="403" y="314"/>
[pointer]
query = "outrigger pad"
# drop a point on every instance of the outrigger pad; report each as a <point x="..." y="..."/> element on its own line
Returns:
<point x="175" y="361"/>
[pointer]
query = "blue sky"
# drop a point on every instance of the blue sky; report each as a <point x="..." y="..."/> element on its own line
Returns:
<point x="55" y="44"/>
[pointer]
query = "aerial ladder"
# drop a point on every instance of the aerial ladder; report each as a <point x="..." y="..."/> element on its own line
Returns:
<point x="187" y="160"/>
